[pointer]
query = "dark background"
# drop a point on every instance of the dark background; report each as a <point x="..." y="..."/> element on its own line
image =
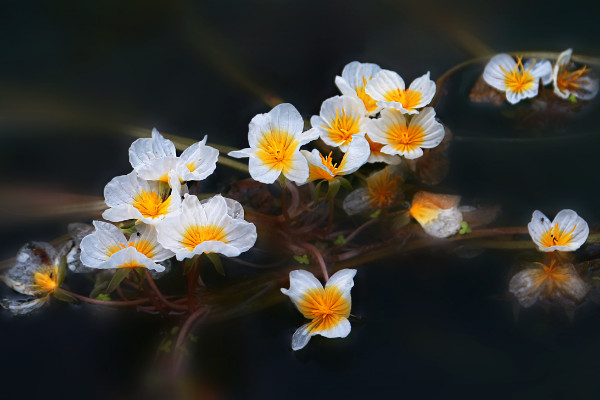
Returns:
<point x="432" y="325"/>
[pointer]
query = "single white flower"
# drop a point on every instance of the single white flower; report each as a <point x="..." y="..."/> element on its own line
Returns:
<point x="328" y="308"/>
<point x="407" y="138"/>
<point x="567" y="232"/>
<point x="353" y="82"/>
<point x="519" y="81"/>
<point x="576" y="82"/>
<point x="215" y="226"/>
<point x="323" y="167"/>
<point x="555" y="282"/>
<point x="108" y="248"/>
<point x="340" y="119"/>
<point x="275" y="139"/>
<point x="130" y="197"/>
<point x="389" y="90"/>
<point x="438" y="214"/>
<point x="155" y="159"/>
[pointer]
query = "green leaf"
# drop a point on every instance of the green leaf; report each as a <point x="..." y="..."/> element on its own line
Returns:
<point x="117" y="278"/>
<point x="340" y="240"/>
<point x="333" y="189"/>
<point x="345" y="182"/>
<point x="166" y="346"/>
<point x="375" y="214"/>
<point x="318" y="189"/>
<point x="103" y="297"/>
<point x="62" y="296"/>
<point x="464" y="228"/>
<point x="128" y="228"/>
<point x="282" y="180"/>
<point x="572" y="98"/>
<point x="190" y="263"/>
<point x="303" y="259"/>
<point x="216" y="261"/>
<point x="62" y="270"/>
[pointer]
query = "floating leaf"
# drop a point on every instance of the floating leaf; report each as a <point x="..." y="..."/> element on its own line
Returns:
<point x="375" y="214"/>
<point x="340" y="240"/>
<point x="464" y="228"/>
<point x="303" y="259"/>
<point x="103" y="297"/>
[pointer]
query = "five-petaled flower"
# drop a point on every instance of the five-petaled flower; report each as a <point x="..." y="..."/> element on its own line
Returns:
<point x="275" y="139"/>
<point x="353" y="82"/>
<point x="438" y="214"/>
<point x="567" y="232"/>
<point x="328" y="308"/>
<point x="324" y="168"/>
<point x="340" y="119"/>
<point x="519" y="81"/>
<point x="108" y="248"/>
<point x="553" y="282"/>
<point x="408" y="138"/>
<point x="389" y="90"/>
<point x="576" y="82"/>
<point x="215" y="226"/>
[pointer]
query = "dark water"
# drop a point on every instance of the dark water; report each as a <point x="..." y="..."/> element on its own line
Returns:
<point x="431" y="325"/>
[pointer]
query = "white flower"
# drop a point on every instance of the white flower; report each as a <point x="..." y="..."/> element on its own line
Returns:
<point x="567" y="232"/>
<point x="155" y="159"/>
<point x="407" y="138"/>
<point x="576" y="82"/>
<point x="210" y="227"/>
<point x="438" y="214"/>
<point x="323" y="167"/>
<point x="340" y="119"/>
<point x="130" y="197"/>
<point x="108" y="248"/>
<point x="353" y="82"/>
<point x="389" y="90"/>
<point x="275" y="139"/>
<point x="328" y="308"/>
<point x="553" y="283"/>
<point x="517" y="80"/>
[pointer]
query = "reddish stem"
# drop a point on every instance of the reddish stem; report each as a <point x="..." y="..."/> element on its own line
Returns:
<point x="319" y="257"/>
<point x="115" y="303"/>
<point x="159" y="294"/>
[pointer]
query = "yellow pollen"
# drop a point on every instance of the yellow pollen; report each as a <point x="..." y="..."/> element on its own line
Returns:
<point x="409" y="99"/>
<point x="196" y="234"/>
<point x="383" y="189"/>
<point x="151" y="205"/>
<point x="325" y="307"/>
<point x="276" y="149"/>
<point x="143" y="246"/>
<point x="342" y="127"/>
<point x="519" y="80"/>
<point x="405" y="138"/>
<point x="567" y="80"/>
<point x="45" y="280"/>
<point x="556" y="237"/>
<point x="370" y="104"/>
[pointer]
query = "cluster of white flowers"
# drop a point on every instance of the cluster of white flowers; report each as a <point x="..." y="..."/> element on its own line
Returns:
<point x="376" y="119"/>
<point x="520" y="80"/>
<point x="165" y="224"/>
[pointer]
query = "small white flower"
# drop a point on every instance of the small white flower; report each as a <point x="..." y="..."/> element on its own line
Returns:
<point x="389" y="90"/>
<point x="353" y="82"/>
<point x="323" y="167"/>
<point x="567" y="232"/>
<point x="340" y="119"/>
<point x="407" y="138"/>
<point x="519" y="81"/>
<point x="438" y="214"/>
<point x="275" y="139"/>
<point x="155" y="159"/>
<point x="328" y="308"/>
<point x="130" y="197"/>
<point x="572" y="82"/>
<point x="215" y="226"/>
<point x="108" y="248"/>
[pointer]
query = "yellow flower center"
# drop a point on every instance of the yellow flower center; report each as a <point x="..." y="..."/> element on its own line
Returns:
<point x="191" y="166"/>
<point x="342" y="127"/>
<point x="519" y="80"/>
<point x="567" y="80"/>
<point x="404" y="138"/>
<point x="409" y="99"/>
<point x="276" y="150"/>
<point x="143" y="246"/>
<point x="383" y="189"/>
<point x="370" y="104"/>
<point x="196" y="234"/>
<point x="45" y="280"/>
<point x="556" y="237"/>
<point x="151" y="205"/>
<point x="325" y="307"/>
<point x="315" y="172"/>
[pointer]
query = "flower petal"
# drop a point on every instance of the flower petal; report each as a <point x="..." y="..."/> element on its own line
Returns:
<point x="495" y="71"/>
